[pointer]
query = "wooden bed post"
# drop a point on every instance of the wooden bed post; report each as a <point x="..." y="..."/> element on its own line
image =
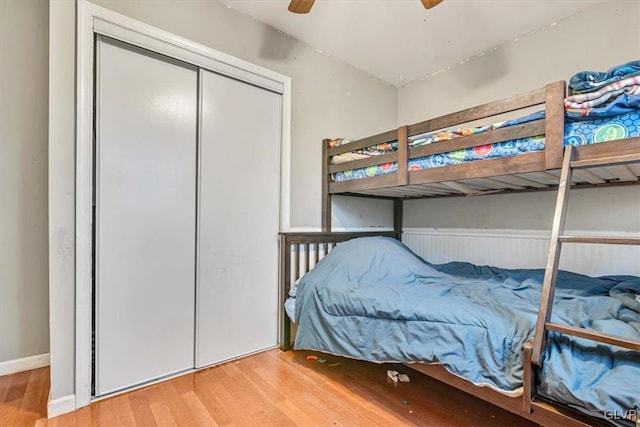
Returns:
<point x="397" y="217"/>
<point x="402" y="177"/>
<point x="554" y="124"/>
<point x="326" y="179"/>
<point x="403" y="155"/>
<point x="529" y="380"/>
<point x="285" y="285"/>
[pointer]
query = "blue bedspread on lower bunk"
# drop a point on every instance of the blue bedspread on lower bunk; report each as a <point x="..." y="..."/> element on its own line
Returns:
<point x="575" y="133"/>
<point x="373" y="299"/>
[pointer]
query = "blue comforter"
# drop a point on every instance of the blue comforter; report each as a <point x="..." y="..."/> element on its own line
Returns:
<point x="373" y="299"/>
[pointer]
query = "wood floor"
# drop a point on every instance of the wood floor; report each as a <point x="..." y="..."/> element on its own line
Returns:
<point x="267" y="389"/>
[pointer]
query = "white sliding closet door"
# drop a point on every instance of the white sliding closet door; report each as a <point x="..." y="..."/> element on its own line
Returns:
<point x="238" y="219"/>
<point x="146" y="130"/>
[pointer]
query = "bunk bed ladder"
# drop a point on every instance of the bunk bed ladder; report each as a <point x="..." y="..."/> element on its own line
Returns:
<point x="543" y="325"/>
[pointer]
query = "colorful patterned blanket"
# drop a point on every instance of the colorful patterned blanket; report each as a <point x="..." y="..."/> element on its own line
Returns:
<point x="424" y="139"/>
<point x="590" y="81"/>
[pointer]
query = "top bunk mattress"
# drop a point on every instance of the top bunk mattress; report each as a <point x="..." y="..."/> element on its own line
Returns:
<point x="575" y="133"/>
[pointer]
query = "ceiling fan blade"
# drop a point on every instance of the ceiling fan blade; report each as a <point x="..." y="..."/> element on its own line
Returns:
<point x="428" y="4"/>
<point x="301" y="6"/>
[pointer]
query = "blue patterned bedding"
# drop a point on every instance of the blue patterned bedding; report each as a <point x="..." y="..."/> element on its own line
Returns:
<point x="575" y="133"/>
<point x="472" y="320"/>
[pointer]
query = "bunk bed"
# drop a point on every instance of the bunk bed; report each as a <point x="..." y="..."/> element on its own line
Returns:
<point x="522" y="154"/>
<point x="396" y="165"/>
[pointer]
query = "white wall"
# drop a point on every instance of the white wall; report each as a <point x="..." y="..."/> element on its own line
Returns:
<point x="595" y="39"/>
<point x="24" y="305"/>
<point x="330" y="98"/>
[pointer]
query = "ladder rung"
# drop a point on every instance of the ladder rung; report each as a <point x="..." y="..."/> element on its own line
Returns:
<point x="594" y="336"/>
<point x="601" y="240"/>
<point x="606" y="161"/>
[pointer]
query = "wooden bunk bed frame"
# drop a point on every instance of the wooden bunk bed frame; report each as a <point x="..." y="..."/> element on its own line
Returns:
<point x="534" y="171"/>
<point x="523" y="172"/>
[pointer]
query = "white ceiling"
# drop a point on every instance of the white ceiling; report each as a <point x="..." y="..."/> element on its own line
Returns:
<point x="398" y="40"/>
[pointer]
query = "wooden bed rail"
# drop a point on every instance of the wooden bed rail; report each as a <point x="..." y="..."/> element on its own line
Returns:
<point x="299" y="252"/>
<point x="411" y="184"/>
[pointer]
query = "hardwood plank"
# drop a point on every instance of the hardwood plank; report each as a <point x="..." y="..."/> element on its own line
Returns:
<point x="10" y="409"/>
<point x="18" y="387"/>
<point x="162" y="415"/>
<point x="197" y="409"/>
<point x="235" y="409"/>
<point x="29" y="409"/>
<point x="81" y="417"/>
<point x="5" y="385"/>
<point x="124" y="411"/>
<point x="282" y="388"/>
<point x="271" y="417"/>
<point x="177" y="407"/>
<point x="295" y="413"/>
<point x="214" y="407"/>
<point x="104" y="413"/>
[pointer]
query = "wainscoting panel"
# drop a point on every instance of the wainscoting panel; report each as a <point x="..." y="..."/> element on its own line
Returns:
<point x="521" y="249"/>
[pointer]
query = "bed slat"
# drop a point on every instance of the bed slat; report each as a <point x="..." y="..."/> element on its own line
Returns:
<point x="363" y="163"/>
<point x="518" y="180"/>
<point x="316" y="256"/>
<point x="586" y="175"/>
<point x="623" y="172"/>
<point x="307" y="258"/>
<point x="381" y="138"/>
<point x="594" y="336"/>
<point x="296" y="262"/>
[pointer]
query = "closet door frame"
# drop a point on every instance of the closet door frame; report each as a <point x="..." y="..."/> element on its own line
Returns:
<point x="92" y="20"/>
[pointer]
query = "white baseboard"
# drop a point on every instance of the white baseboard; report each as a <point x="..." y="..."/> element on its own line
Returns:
<point x="24" y="364"/>
<point x="62" y="405"/>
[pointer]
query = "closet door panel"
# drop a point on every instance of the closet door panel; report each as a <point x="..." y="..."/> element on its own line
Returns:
<point x="145" y="216"/>
<point x="238" y="219"/>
